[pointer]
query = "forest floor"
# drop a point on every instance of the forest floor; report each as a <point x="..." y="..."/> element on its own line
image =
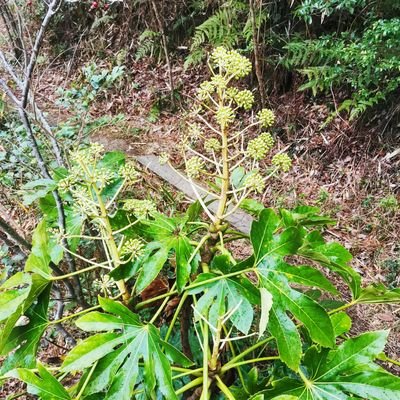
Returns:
<point x="347" y="170"/>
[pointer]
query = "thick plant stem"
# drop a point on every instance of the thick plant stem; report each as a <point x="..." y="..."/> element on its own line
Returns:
<point x="217" y="342"/>
<point x="176" y="314"/>
<point x="192" y="384"/>
<point x="204" y="395"/>
<point x="224" y="389"/>
<point x="225" y="177"/>
<point x="112" y="246"/>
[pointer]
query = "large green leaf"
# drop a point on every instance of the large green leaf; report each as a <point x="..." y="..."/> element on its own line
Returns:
<point x="333" y="256"/>
<point x="286" y="336"/>
<point x="42" y="384"/>
<point x="267" y="242"/>
<point x="348" y="372"/>
<point x="307" y="276"/>
<point x="306" y="310"/>
<point x="39" y="259"/>
<point x="152" y="265"/>
<point x="378" y="293"/>
<point x="13" y="293"/>
<point x="183" y="251"/>
<point x="222" y="296"/>
<point x="118" y="353"/>
<point x="30" y="286"/>
<point x="23" y="342"/>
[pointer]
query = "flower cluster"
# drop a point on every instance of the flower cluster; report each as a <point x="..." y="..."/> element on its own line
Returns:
<point x="266" y="118"/>
<point x="194" y="165"/>
<point x="206" y="89"/>
<point x="194" y="131"/>
<point x="224" y="115"/>
<point x="244" y="99"/>
<point x="88" y="155"/>
<point x="133" y="248"/>
<point x="219" y="82"/>
<point x="211" y="145"/>
<point x="282" y="161"/>
<point x="231" y="62"/>
<point x="101" y="177"/>
<point x="255" y="182"/>
<point x="139" y="208"/>
<point x="129" y="173"/>
<point x="260" y="146"/>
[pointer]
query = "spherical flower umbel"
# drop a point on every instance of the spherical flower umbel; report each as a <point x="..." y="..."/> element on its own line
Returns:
<point x="129" y="173"/>
<point x="102" y="177"/>
<point x="88" y="154"/>
<point x="224" y="115"/>
<point x="194" y="166"/>
<point x="212" y="145"/>
<point x="231" y="92"/>
<point x="267" y="139"/>
<point x="282" y="161"/>
<point x="139" y="208"/>
<point x="257" y="148"/>
<point x="232" y="62"/>
<point x="255" y="182"/>
<point x="206" y="88"/>
<point x="245" y="99"/>
<point x="133" y="248"/>
<point x="266" y="118"/>
<point x="219" y="82"/>
<point x="194" y="131"/>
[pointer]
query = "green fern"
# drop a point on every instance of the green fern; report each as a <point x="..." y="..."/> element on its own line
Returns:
<point x="148" y="45"/>
<point x="224" y="28"/>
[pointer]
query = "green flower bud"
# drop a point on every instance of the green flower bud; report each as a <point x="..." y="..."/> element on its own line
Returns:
<point x="266" y="118"/>
<point x="224" y="115"/>
<point x="194" y="131"/>
<point x="231" y="92"/>
<point x="231" y="62"/>
<point x="102" y="177"/>
<point x="219" y="82"/>
<point x="88" y="155"/>
<point x="282" y="161"/>
<point x="132" y="247"/>
<point x="257" y="148"/>
<point x="128" y="172"/>
<point x="255" y="182"/>
<point x="267" y="139"/>
<point x="206" y="88"/>
<point x="245" y="99"/>
<point x="212" y="145"/>
<point x="194" y="166"/>
<point x="139" y="208"/>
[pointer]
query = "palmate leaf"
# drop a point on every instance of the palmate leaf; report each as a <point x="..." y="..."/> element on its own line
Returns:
<point x="306" y="310"/>
<point x="272" y="241"/>
<point x="23" y="341"/>
<point x="24" y="289"/>
<point x="340" y="374"/>
<point x="169" y="237"/>
<point x="118" y="352"/>
<point x="225" y="295"/>
<point x="42" y="384"/>
<point x="39" y="259"/>
<point x="333" y="256"/>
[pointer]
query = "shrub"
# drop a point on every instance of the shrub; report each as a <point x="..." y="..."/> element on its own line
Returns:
<point x="269" y="326"/>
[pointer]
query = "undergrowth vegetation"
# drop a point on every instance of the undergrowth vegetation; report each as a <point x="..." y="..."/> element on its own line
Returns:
<point x="272" y="325"/>
<point x="347" y="50"/>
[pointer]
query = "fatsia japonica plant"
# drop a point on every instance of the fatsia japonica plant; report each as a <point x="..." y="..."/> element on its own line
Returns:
<point x="177" y="314"/>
